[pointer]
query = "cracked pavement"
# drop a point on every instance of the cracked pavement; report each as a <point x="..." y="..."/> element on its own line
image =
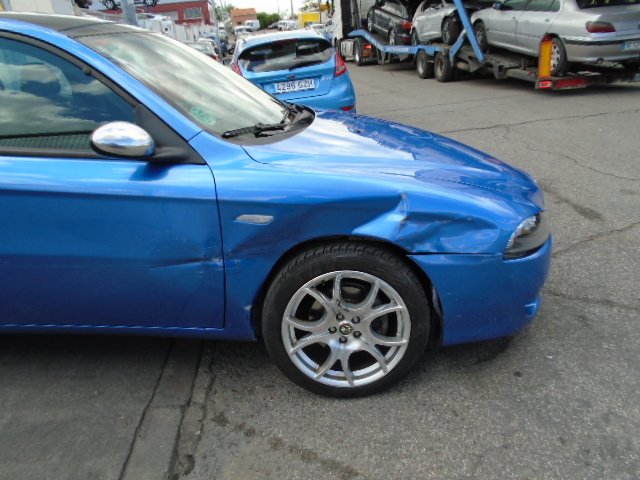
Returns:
<point x="558" y="400"/>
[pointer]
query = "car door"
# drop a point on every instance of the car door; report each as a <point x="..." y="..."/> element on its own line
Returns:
<point x="502" y="23"/>
<point x="433" y="19"/>
<point x="535" y="22"/>
<point x="89" y="240"/>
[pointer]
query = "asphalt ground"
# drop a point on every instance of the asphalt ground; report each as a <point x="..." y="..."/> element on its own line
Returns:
<point x="558" y="400"/>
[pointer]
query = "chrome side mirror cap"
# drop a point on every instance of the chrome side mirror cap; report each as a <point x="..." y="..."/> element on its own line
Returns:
<point x="122" y="139"/>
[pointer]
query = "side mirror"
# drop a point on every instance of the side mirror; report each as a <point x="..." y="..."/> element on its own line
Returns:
<point x="226" y="61"/>
<point x="122" y="139"/>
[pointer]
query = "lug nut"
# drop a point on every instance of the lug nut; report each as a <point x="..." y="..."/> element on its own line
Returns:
<point x="333" y="330"/>
<point x="357" y="334"/>
<point x="340" y="316"/>
<point x="343" y="339"/>
<point x="356" y="320"/>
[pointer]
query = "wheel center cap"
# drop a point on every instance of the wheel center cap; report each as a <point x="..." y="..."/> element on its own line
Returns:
<point x="345" y="329"/>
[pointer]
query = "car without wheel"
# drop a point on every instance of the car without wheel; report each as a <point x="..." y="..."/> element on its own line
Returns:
<point x="392" y="20"/>
<point x="115" y="4"/>
<point x="582" y="31"/>
<point x="438" y="20"/>
<point x="147" y="190"/>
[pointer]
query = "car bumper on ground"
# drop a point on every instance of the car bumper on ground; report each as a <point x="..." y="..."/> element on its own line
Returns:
<point x="485" y="296"/>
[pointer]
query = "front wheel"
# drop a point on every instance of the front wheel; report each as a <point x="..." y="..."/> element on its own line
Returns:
<point x="109" y="4"/>
<point x="346" y="320"/>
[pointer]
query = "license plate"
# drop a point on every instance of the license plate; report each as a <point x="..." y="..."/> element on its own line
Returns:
<point x="295" y="85"/>
<point x="631" y="45"/>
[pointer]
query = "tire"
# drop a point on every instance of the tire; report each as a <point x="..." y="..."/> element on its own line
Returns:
<point x="443" y="70"/>
<point x="481" y="36"/>
<point x="450" y="30"/>
<point x="149" y="3"/>
<point x="423" y="66"/>
<point x="110" y="4"/>
<point x="330" y="311"/>
<point x="357" y="53"/>
<point x="559" y="64"/>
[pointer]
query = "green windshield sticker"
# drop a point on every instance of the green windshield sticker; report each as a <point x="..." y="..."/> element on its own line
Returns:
<point x="203" y="116"/>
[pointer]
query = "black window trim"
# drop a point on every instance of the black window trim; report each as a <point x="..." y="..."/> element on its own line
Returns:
<point x="171" y="140"/>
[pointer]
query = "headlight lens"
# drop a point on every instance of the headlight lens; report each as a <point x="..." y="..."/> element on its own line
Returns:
<point x="528" y="237"/>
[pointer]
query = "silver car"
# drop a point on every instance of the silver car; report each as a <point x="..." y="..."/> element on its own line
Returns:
<point x="583" y="31"/>
<point x="438" y="20"/>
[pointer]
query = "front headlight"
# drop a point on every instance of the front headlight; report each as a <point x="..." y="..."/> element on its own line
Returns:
<point x="528" y="237"/>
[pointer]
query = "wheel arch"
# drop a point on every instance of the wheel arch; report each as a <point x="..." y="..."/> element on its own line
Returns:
<point x="437" y="329"/>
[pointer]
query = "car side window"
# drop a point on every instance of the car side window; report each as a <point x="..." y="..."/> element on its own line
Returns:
<point x="49" y="103"/>
<point x="514" y="5"/>
<point x="541" y="5"/>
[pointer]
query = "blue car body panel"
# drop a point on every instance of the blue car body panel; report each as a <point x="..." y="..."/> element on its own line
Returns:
<point x="78" y="248"/>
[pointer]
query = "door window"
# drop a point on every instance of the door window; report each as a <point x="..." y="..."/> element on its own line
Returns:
<point x="514" y="5"/>
<point x="47" y="102"/>
<point x="543" y="6"/>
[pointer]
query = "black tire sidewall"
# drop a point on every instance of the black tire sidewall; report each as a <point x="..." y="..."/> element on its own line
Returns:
<point x="345" y="257"/>
<point x="454" y="31"/>
<point x="443" y="69"/>
<point x="427" y="67"/>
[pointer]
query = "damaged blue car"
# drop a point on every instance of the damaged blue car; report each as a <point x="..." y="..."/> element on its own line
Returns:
<point x="145" y="189"/>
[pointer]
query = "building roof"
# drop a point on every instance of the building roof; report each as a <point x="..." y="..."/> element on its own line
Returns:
<point x="243" y="11"/>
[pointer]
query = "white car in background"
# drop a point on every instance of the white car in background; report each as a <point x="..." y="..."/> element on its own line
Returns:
<point x="438" y="20"/>
<point x="583" y="31"/>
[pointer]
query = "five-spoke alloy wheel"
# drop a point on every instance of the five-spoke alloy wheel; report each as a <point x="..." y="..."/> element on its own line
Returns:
<point x="346" y="320"/>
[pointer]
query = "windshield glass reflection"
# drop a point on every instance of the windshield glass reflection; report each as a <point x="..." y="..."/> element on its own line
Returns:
<point x="208" y="93"/>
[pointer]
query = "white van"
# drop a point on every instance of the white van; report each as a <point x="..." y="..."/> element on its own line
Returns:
<point x="287" y="25"/>
<point x="253" y="25"/>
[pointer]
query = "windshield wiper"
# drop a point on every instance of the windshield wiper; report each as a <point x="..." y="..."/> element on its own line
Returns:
<point x="256" y="129"/>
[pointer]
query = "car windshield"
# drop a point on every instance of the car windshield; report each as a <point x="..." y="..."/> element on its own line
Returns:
<point x="211" y="95"/>
<point x="286" y="55"/>
<point x="605" y="3"/>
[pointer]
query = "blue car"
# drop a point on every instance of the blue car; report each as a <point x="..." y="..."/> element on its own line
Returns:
<point x="136" y="198"/>
<point x="299" y="66"/>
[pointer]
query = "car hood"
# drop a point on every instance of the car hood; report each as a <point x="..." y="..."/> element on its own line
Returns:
<point x="359" y="147"/>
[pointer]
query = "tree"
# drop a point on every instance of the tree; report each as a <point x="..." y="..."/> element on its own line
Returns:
<point x="310" y="6"/>
<point x="267" y="19"/>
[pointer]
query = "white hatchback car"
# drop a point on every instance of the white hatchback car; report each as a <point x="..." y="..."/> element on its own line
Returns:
<point x="583" y="31"/>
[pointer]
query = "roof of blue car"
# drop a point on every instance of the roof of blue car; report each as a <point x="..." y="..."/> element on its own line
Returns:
<point x="285" y="35"/>
<point x="70" y="25"/>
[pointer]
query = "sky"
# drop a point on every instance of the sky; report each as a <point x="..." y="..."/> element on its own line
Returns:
<point x="268" y="6"/>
